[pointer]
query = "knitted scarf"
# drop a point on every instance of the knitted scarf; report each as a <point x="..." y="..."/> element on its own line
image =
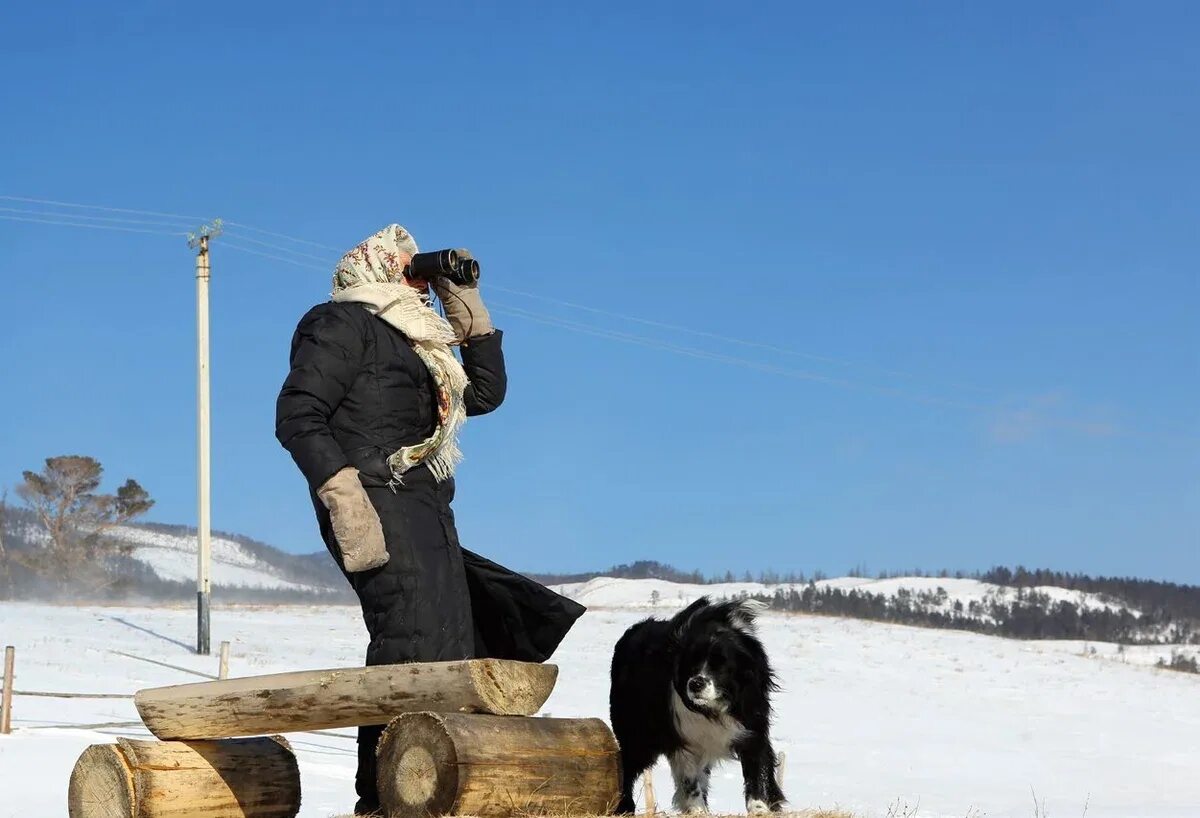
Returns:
<point x="371" y="274"/>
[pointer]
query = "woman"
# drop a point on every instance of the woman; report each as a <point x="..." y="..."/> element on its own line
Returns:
<point x="370" y="412"/>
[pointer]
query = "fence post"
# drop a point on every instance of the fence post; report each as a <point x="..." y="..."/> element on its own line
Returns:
<point x="648" y="791"/>
<point x="223" y="662"/>
<point x="10" y="658"/>
<point x="779" y="768"/>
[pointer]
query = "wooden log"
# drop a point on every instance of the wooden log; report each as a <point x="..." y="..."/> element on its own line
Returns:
<point x="235" y="778"/>
<point x="496" y="766"/>
<point x="648" y="792"/>
<point x="320" y="699"/>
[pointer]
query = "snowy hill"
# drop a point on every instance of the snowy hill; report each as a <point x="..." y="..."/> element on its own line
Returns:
<point x="942" y="592"/>
<point x="161" y="557"/>
<point x="1124" y="610"/>
<point x="160" y="564"/>
<point x="172" y="557"/>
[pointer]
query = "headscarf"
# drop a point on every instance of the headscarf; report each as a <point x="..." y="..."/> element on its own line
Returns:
<point x="372" y="274"/>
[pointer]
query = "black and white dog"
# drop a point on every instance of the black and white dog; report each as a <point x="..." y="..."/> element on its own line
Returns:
<point x="696" y="688"/>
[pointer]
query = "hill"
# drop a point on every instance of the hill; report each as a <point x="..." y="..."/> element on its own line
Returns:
<point x="158" y="563"/>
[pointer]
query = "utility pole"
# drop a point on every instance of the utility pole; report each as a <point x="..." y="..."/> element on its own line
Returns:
<point x="199" y="241"/>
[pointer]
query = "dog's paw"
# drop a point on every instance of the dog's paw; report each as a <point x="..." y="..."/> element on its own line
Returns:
<point x="690" y="805"/>
<point x="756" y="807"/>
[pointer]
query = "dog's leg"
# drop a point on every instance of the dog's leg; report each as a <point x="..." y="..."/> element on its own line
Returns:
<point x="691" y="783"/>
<point x="705" y="777"/>
<point x="632" y="767"/>
<point x="763" y="794"/>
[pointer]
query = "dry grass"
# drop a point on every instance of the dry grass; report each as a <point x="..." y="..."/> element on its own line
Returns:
<point x="804" y="813"/>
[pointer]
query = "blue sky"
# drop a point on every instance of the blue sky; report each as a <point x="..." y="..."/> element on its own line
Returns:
<point x="945" y="256"/>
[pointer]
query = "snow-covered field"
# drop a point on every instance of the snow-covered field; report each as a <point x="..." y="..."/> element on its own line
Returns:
<point x="873" y="718"/>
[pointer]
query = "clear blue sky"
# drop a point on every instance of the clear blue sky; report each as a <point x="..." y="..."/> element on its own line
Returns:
<point x="965" y="236"/>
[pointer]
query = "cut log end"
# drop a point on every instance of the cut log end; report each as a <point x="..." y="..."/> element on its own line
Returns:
<point x="101" y="785"/>
<point x="421" y="766"/>
<point x="513" y="688"/>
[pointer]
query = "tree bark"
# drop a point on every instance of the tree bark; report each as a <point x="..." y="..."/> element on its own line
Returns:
<point x="497" y="766"/>
<point x="320" y="699"/>
<point x="238" y="778"/>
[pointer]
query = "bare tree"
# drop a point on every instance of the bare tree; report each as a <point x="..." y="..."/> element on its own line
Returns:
<point x="77" y="518"/>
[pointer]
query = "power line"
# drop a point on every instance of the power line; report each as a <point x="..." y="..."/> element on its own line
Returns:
<point x="324" y="264"/>
<point x="272" y="256"/>
<point x="654" y="343"/>
<point x="672" y="327"/>
<point x="693" y="352"/>
<point x="282" y="248"/>
<point x="614" y="334"/>
<point x="101" y="207"/>
<point x="594" y="310"/>
<point x="894" y="373"/>
<point x="612" y="314"/>
<point x="93" y="226"/>
<point x="84" y="217"/>
<point x="282" y="236"/>
<point x="719" y="337"/>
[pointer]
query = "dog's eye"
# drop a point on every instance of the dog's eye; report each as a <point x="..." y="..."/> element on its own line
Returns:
<point x="716" y="660"/>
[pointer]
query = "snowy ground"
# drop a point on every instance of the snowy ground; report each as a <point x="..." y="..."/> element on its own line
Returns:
<point x="873" y="717"/>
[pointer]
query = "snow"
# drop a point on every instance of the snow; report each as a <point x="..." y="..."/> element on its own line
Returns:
<point x="873" y="718"/>
<point x="173" y="557"/>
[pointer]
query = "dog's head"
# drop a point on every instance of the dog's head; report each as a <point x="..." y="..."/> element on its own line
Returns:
<point x="719" y="659"/>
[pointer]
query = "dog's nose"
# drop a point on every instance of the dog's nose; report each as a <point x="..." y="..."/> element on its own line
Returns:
<point x="696" y="684"/>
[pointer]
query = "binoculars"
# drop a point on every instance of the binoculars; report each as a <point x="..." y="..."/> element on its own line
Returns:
<point x="456" y="265"/>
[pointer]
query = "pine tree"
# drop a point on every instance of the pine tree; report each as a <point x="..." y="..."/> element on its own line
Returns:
<point x="64" y="495"/>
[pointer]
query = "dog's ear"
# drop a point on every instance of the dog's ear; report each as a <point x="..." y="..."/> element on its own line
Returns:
<point x="744" y="613"/>
<point x="680" y="621"/>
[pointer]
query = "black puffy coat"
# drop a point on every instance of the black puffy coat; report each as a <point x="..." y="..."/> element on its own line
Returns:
<point x="356" y="392"/>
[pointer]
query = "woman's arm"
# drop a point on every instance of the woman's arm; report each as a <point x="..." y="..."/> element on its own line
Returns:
<point x="326" y="355"/>
<point x="483" y="360"/>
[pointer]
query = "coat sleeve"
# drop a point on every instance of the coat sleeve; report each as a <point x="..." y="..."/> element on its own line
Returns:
<point x="483" y="361"/>
<point x="326" y="355"/>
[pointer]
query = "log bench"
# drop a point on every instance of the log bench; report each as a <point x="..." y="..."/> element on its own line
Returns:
<point x="458" y="741"/>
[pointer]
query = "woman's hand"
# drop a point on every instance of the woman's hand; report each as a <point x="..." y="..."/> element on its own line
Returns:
<point x="464" y="309"/>
<point x="356" y="525"/>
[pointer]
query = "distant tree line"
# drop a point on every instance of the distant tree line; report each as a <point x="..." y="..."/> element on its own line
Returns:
<point x="1030" y="615"/>
<point x="1165" y="600"/>
<point x="1179" y="662"/>
<point x="651" y="569"/>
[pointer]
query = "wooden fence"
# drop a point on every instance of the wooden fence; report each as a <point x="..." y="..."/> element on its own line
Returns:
<point x="9" y="691"/>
